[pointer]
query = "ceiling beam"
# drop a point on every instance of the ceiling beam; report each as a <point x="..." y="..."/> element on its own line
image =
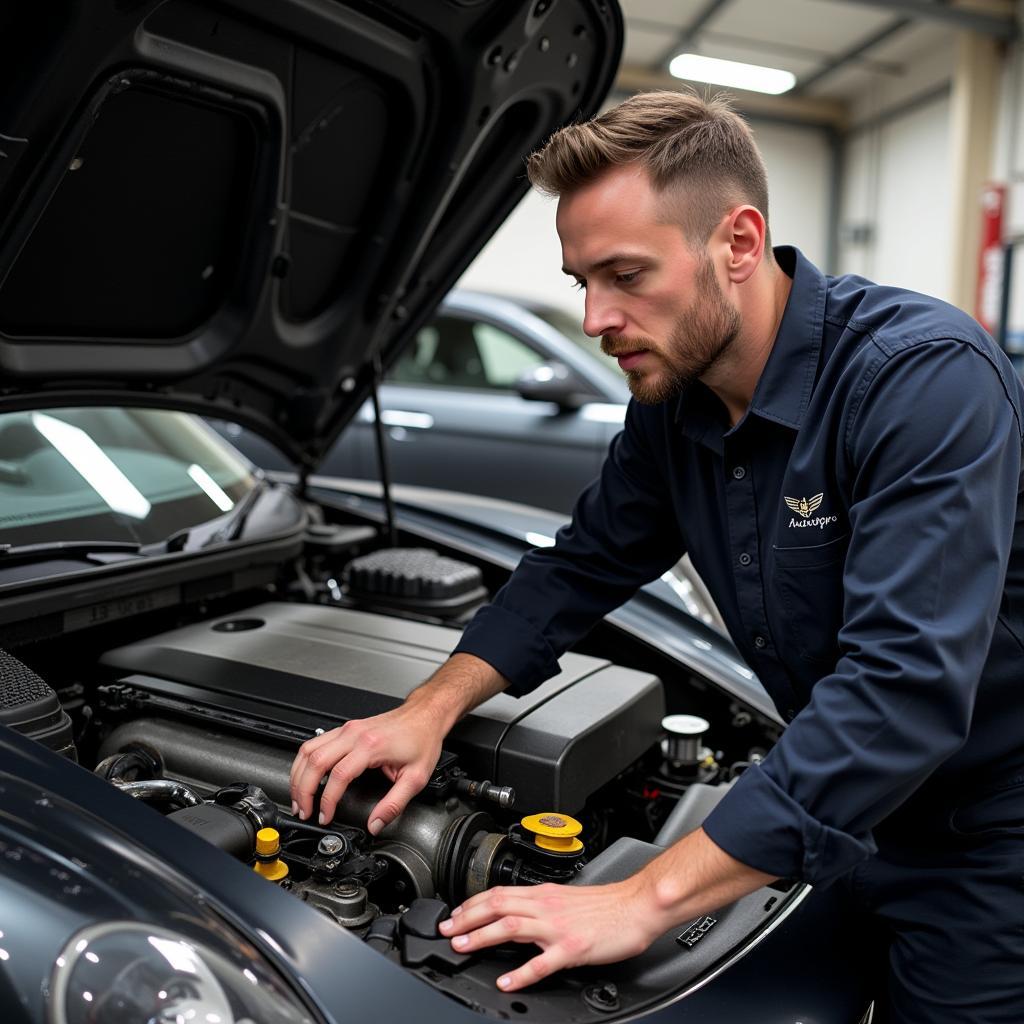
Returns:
<point x="686" y="36"/>
<point x="990" y="19"/>
<point x="805" y="109"/>
<point x="850" y="55"/>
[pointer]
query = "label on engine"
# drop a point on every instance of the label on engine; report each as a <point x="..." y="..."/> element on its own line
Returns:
<point x="696" y="932"/>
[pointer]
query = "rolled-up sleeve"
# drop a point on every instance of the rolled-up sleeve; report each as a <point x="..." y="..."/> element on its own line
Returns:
<point x="623" y="534"/>
<point x="933" y="449"/>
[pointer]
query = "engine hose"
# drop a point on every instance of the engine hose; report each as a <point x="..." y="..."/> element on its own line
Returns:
<point x="163" y="789"/>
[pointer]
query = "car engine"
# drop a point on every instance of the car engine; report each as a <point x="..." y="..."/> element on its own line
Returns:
<point x="582" y="781"/>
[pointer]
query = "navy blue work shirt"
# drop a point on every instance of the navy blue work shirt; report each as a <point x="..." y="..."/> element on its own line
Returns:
<point x="861" y="531"/>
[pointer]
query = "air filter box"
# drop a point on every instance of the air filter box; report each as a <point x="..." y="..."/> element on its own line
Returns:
<point x="417" y="580"/>
<point x="31" y="707"/>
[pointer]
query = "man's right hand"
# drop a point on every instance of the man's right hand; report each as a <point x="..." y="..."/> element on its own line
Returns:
<point x="405" y="743"/>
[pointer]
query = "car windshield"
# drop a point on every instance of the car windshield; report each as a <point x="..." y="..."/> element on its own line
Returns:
<point x="568" y="325"/>
<point x="112" y="475"/>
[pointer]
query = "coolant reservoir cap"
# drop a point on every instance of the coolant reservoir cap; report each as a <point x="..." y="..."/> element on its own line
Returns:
<point x="268" y="842"/>
<point x="685" y="725"/>
<point x="553" y="831"/>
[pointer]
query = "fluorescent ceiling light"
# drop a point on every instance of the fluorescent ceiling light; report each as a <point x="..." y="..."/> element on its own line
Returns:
<point x="92" y="462"/>
<point x="696" y="68"/>
<point x="214" y="491"/>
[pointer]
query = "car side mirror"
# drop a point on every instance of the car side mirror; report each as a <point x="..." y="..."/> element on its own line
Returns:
<point x="554" y="382"/>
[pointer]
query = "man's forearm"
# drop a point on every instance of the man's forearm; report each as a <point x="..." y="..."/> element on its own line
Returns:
<point x="692" y="877"/>
<point x="462" y="683"/>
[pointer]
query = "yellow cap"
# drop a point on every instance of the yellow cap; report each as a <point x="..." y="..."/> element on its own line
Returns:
<point x="268" y="842"/>
<point x="552" y="831"/>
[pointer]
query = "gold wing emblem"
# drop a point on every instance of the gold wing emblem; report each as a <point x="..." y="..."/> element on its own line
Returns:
<point x="804" y="506"/>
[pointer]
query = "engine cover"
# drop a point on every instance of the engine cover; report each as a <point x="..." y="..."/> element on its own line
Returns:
<point x="310" y="666"/>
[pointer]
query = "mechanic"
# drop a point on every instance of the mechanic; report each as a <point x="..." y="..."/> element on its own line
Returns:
<point x="843" y="463"/>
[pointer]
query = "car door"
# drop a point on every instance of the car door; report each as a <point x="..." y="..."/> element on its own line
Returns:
<point x="453" y="420"/>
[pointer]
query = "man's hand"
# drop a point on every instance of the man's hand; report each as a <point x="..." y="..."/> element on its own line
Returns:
<point x="404" y="743"/>
<point x="573" y="925"/>
<point x="602" y="924"/>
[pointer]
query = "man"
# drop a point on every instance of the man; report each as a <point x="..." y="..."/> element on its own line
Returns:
<point x="842" y="461"/>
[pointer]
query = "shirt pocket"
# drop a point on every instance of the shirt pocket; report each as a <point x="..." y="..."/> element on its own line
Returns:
<point x="809" y="583"/>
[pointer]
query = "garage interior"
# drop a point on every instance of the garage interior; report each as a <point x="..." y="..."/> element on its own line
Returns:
<point x="881" y="158"/>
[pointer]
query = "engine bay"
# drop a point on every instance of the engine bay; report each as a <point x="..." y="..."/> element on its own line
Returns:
<point x="582" y="781"/>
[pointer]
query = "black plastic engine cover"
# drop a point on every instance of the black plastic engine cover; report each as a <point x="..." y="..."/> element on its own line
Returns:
<point x="309" y="666"/>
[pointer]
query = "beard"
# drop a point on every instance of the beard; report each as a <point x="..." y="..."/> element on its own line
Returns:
<point x="700" y="337"/>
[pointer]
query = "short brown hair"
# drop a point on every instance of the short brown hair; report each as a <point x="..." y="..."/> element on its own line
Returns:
<point x="680" y="139"/>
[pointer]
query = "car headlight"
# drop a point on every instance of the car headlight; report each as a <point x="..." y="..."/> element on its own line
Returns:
<point x="128" y="973"/>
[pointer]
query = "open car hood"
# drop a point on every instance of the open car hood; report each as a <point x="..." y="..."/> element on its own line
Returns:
<point x="238" y="207"/>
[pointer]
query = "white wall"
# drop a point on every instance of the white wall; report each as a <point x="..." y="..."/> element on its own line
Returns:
<point x="524" y="258"/>
<point x="896" y="214"/>
<point x="898" y="188"/>
<point x="799" y="173"/>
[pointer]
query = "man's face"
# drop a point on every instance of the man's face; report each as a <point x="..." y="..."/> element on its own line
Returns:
<point x="655" y="302"/>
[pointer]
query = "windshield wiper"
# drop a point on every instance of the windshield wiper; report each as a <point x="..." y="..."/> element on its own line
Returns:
<point x="227" y="528"/>
<point x="84" y="550"/>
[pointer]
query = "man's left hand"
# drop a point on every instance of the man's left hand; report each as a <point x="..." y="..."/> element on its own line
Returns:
<point x="602" y="924"/>
<point x="573" y="925"/>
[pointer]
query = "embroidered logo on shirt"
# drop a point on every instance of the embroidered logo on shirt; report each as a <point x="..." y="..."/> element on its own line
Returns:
<point x="805" y="506"/>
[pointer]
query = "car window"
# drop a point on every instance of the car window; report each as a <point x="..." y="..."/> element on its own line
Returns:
<point x="100" y="474"/>
<point x="453" y="352"/>
<point x="570" y="327"/>
<point x="504" y="357"/>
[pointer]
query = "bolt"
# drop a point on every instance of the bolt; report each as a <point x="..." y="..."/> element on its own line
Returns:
<point x="330" y="845"/>
<point x="602" y="997"/>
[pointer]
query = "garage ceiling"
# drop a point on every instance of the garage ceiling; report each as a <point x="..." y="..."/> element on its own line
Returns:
<point x="837" y="49"/>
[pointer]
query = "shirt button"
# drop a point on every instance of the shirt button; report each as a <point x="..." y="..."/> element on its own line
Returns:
<point x="789" y="714"/>
<point x="739" y="472"/>
<point x="745" y="559"/>
<point x="760" y="643"/>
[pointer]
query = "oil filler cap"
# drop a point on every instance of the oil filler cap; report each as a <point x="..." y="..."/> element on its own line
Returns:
<point x="268" y="863"/>
<point x="552" y="831"/>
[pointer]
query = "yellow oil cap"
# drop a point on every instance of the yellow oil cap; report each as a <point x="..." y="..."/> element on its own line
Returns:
<point x="268" y="864"/>
<point x="268" y="842"/>
<point x="555" y="832"/>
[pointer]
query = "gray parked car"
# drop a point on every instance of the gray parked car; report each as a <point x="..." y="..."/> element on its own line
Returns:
<point x="493" y="397"/>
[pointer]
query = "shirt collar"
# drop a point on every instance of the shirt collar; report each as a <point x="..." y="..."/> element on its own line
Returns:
<point x="784" y="388"/>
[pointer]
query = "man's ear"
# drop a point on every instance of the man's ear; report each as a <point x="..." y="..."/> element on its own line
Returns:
<point x="746" y="232"/>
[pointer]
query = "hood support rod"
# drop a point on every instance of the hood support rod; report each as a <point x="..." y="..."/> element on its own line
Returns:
<point x="382" y="455"/>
